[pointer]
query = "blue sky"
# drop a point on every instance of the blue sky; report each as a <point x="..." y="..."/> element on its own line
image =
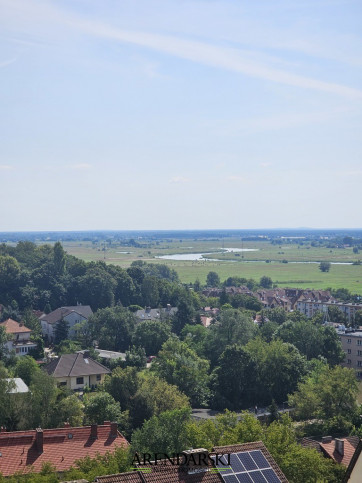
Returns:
<point x="176" y="114"/>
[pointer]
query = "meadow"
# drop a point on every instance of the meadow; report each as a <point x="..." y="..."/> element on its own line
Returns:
<point x="248" y="264"/>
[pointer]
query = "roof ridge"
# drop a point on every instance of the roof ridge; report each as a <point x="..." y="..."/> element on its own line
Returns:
<point x="76" y="357"/>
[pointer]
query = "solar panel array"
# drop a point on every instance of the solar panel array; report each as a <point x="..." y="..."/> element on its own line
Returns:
<point x="246" y="467"/>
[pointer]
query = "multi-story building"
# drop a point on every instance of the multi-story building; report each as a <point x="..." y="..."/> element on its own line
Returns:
<point x="311" y="307"/>
<point x="352" y="347"/>
<point x="18" y="337"/>
<point x="72" y="315"/>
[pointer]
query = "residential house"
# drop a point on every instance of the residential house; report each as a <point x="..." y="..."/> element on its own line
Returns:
<point x="77" y="371"/>
<point x="25" y="451"/>
<point x="249" y="462"/>
<point x="19" y="337"/>
<point x="72" y="315"/>
<point x="354" y="470"/>
<point x="340" y="450"/>
<point x="156" y="314"/>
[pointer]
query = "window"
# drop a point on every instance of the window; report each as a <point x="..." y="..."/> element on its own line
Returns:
<point x="349" y="341"/>
<point x="80" y="380"/>
<point x="359" y="363"/>
<point x="62" y="384"/>
<point x="359" y="353"/>
<point x="349" y="361"/>
<point x="349" y="351"/>
<point x="99" y="377"/>
<point x="359" y="342"/>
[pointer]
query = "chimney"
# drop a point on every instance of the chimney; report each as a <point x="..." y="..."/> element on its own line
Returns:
<point x="106" y="423"/>
<point x="114" y="429"/>
<point x="39" y="439"/>
<point x="339" y="446"/>
<point x="196" y="460"/>
<point x="94" y="431"/>
<point x="2" y="429"/>
<point x="66" y="424"/>
<point x="326" y="439"/>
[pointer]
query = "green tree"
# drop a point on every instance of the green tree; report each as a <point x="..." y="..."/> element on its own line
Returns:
<point x="122" y="385"/>
<point x="266" y="282"/>
<point x="100" y="407"/>
<point x="181" y="366"/>
<point x="59" y="259"/>
<point x="61" y="331"/>
<point x="113" y="328"/>
<point x="212" y="279"/>
<point x="43" y="396"/>
<point x="312" y="340"/>
<point x="153" y="397"/>
<point x="235" y="379"/>
<point x="70" y="409"/>
<point x="328" y="394"/>
<point x="151" y="334"/>
<point x="165" y="433"/>
<point x="324" y="266"/>
<point x="25" y="368"/>
<point x="185" y="315"/>
<point x="149" y="291"/>
<point x="9" y="278"/>
<point x="280" y="367"/>
<point x="3" y="340"/>
<point x="136" y="357"/>
<point x="231" y="327"/>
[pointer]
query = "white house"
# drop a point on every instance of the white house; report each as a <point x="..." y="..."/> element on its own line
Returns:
<point x="19" y="337"/>
<point x="72" y="315"/>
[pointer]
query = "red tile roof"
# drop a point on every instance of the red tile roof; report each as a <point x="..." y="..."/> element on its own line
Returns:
<point x="330" y="450"/>
<point x="13" y="327"/>
<point x="61" y="447"/>
<point x="174" y="474"/>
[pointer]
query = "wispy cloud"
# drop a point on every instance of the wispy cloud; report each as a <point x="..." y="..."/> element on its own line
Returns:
<point x="237" y="60"/>
<point x="5" y="63"/>
<point x="236" y="178"/>
<point x="209" y="54"/>
<point x="6" y="167"/>
<point x="80" y="166"/>
<point x="179" y="179"/>
<point x="265" y="165"/>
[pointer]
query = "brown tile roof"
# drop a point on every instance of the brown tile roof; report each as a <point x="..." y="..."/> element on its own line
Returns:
<point x="19" y="450"/>
<point x="174" y="474"/>
<point x="75" y="365"/>
<point x="13" y="327"/>
<point x="257" y="445"/>
<point x="330" y="450"/>
<point x="58" y="314"/>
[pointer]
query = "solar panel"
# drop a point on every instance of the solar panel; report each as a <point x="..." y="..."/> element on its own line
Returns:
<point x="259" y="459"/>
<point x="244" y="478"/>
<point x="247" y="467"/>
<point x="230" y="478"/>
<point x="257" y="477"/>
<point x="270" y="476"/>
<point x="247" y="461"/>
<point x="236" y="464"/>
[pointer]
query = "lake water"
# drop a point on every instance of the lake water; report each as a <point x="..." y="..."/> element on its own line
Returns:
<point x="199" y="256"/>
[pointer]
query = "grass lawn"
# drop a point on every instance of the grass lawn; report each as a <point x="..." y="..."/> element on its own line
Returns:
<point x="303" y="275"/>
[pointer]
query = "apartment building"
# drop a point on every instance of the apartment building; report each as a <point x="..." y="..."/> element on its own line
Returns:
<point x="311" y="307"/>
<point x="352" y="346"/>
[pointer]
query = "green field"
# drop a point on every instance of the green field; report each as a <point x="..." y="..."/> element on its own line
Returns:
<point x="303" y="275"/>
